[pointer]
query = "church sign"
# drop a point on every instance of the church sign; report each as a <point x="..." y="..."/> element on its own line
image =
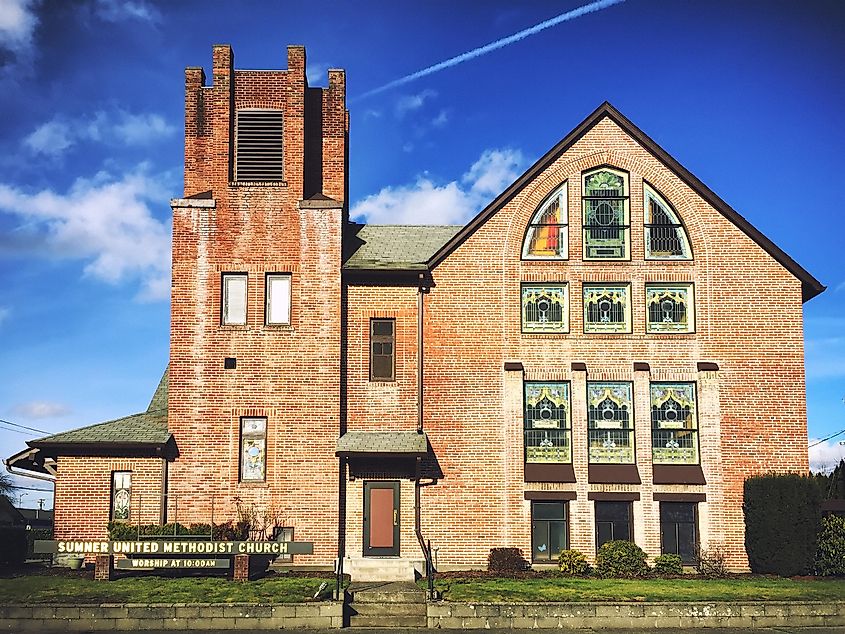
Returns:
<point x="155" y="548"/>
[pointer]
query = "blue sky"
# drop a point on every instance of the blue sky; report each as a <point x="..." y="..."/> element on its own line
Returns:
<point x="747" y="95"/>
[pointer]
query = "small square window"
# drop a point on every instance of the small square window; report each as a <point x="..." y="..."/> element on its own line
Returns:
<point x="607" y="309"/>
<point x="253" y="449"/>
<point x="277" y="291"/>
<point x="382" y="349"/>
<point x="233" y="312"/>
<point x="545" y="308"/>
<point x="669" y="308"/>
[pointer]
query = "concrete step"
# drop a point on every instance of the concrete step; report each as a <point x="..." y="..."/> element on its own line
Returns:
<point x="386" y="592"/>
<point x="382" y="568"/>
<point x="389" y="609"/>
<point x="393" y="622"/>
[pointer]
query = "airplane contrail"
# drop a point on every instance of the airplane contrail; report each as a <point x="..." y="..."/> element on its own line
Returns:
<point x="492" y="46"/>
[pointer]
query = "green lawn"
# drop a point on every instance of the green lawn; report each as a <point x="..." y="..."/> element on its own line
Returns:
<point x="566" y="589"/>
<point x="64" y="589"/>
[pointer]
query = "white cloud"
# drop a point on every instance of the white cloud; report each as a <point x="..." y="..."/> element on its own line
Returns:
<point x="41" y="409"/>
<point x="121" y="10"/>
<point x="410" y="103"/>
<point x="425" y="202"/>
<point x="58" y="135"/>
<point x="17" y="24"/>
<point x="106" y="222"/>
<point x="825" y="456"/>
<point x="440" y="120"/>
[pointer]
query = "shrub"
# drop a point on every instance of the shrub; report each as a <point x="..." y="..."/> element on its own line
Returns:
<point x="669" y="565"/>
<point x="573" y="563"/>
<point x="830" y="556"/>
<point x="621" y="558"/>
<point x="781" y="523"/>
<point x="12" y="545"/>
<point x="32" y="536"/>
<point x="227" y="531"/>
<point x="710" y="562"/>
<point x="506" y="560"/>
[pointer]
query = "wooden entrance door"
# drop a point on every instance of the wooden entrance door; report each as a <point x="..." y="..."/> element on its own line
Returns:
<point x="381" y="519"/>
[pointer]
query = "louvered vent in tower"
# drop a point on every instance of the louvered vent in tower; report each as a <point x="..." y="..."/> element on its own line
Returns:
<point x="258" y="145"/>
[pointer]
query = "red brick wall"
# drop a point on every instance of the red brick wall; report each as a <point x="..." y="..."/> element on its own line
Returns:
<point x="290" y="374"/>
<point x="83" y="494"/>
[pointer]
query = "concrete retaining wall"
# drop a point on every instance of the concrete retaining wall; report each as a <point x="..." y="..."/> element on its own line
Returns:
<point x="168" y="616"/>
<point x="633" y="616"/>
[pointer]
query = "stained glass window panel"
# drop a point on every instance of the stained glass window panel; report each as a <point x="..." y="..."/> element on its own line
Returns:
<point x="607" y="309"/>
<point x="610" y="425"/>
<point x="665" y="236"/>
<point x="547" y="237"/>
<point x="674" y="424"/>
<point x="547" y="429"/>
<point x="121" y="494"/>
<point x="253" y="449"/>
<point x="606" y="222"/>
<point x="670" y="308"/>
<point x="544" y="308"/>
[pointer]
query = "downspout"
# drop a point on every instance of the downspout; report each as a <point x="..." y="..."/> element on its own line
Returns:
<point x="426" y="548"/>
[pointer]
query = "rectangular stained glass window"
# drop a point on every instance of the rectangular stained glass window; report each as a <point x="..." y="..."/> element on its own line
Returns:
<point x="610" y="423"/>
<point x="544" y="308"/>
<point x="121" y="494"/>
<point x="606" y="222"/>
<point x="234" y="299"/>
<point x="253" y="449"/>
<point x="669" y="308"/>
<point x="382" y="349"/>
<point x="674" y="424"/>
<point x="547" y="430"/>
<point x="613" y="522"/>
<point x="278" y="299"/>
<point x="607" y="308"/>
<point x="549" y="534"/>
<point x="679" y="529"/>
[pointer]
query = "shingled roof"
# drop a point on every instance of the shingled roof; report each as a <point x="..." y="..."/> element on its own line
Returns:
<point x="394" y="247"/>
<point x="382" y="442"/>
<point x="146" y="430"/>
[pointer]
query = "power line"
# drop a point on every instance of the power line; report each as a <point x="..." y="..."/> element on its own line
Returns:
<point x="33" y="489"/>
<point x="8" y="422"/>
<point x="20" y="431"/>
<point x="818" y="442"/>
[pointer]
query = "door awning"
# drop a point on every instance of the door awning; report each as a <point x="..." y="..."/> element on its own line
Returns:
<point x="382" y="443"/>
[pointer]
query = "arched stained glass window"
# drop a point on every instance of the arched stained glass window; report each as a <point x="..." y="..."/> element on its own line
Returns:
<point x="606" y="218"/>
<point x="674" y="425"/>
<point x="665" y="236"/>
<point x="547" y="237"/>
<point x="610" y="427"/>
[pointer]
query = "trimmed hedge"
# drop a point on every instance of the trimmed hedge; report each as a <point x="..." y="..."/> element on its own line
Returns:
<point x="620" y="558"/>
<point x="227" y="531"/>
<point x="12" y="545"/>
<point x="830" y="557"/>
<point x="781" y="524"/>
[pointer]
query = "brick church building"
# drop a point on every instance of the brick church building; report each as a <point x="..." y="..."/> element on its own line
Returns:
<point x="606" y="351"/>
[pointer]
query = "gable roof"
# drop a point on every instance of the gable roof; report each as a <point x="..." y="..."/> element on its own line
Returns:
<point x="810" y="286"/>
<point x="394" y="247"/>
<point x="144" y="431"/>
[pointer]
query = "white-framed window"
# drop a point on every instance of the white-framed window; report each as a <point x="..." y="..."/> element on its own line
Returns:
<point x="253" y="449"/>
<point x="277" y="293"/>
<point x="607" y="308"/>
<point x="121" y="495"/>
<point x="610" y="422"/>
<point x="607" y="230"/>
<point x="669" y="308"/>
<point x="665" y="236"/>
<point x="547" y="237"/>
<point x="674" y="423"/>
<point x="233" y="309"/>
<point x="545" y="308"/>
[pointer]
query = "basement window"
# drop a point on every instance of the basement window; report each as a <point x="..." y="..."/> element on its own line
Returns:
<point x="258" y="145"/>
